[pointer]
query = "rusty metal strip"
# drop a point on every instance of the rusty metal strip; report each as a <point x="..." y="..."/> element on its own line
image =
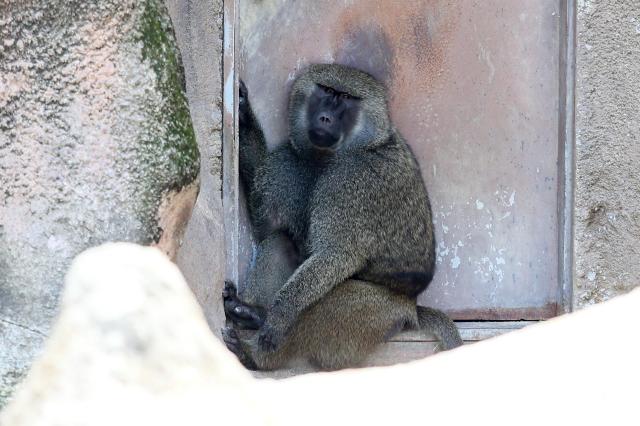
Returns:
<point x="230" y="182"/>
<point x="546" y="311"/>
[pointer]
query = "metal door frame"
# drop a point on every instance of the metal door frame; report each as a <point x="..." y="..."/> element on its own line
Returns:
<point x="566" y="162"/>
<point x="566" y="140"/>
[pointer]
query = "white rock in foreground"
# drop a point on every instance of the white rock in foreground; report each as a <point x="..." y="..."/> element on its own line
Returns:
<point x="131" y="346"/>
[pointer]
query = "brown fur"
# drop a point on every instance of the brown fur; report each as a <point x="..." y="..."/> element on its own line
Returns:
<point x="359" y="210"/>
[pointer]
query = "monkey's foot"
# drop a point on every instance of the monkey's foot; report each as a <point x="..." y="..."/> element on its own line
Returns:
<point x="237" y="312"/>
<point x="231" y="339"/>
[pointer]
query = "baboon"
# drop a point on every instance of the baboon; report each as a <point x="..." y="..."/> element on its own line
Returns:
<point x="344" y="227"/>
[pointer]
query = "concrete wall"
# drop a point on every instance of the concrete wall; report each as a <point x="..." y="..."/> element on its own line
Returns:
<point x="607" y="203"/>
<point x="198" y="28"/>
<point x="607" y="181"/>
<point x="607" y="200"/>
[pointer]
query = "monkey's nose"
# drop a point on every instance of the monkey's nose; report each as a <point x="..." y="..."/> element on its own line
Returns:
<point x="324" y="119"/>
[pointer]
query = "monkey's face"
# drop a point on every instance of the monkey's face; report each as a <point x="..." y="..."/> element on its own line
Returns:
<point x="331" y="116"/>
<point x="334" y="108"/>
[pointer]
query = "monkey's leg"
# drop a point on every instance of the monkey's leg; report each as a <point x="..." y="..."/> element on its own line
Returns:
<point x="276" y="260"/>
<point x="441" y="325"/>
<point x="317" y="275"/>
<point x="347" y="325"/>
<point x="339" y="331"/>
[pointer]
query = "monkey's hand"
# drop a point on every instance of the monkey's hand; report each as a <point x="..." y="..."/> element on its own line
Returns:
<point x="271" y="335"/>
<point x="244" y="108"/>
<point x="269" y="338"/>
<point x="238" y="312"/>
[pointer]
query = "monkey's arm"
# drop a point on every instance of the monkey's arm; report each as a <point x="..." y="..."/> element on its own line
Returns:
<point x="310" y="282"/>
<point x="253" y="147"/>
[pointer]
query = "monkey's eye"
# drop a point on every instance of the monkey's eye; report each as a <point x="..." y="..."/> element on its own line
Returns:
<point x="345" y="96"/>
<point x="330" y="91"/>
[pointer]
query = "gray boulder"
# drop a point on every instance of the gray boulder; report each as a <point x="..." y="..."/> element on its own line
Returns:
<point x="96" y="144"/>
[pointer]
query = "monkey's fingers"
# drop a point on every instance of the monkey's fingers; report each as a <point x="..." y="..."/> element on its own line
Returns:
<point x="229" y="291"/>
<point x="244" y="109"/>
<point x="249" y="314"/>
<point x="243" y="93"/>
<point x="242" y="315"/>
<point x="269" y="338"/>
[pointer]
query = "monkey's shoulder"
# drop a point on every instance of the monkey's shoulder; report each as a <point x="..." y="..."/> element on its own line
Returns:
<point x="282" y="167"/>
<point x="283" y="187"/>
<point x="386" y="168"/>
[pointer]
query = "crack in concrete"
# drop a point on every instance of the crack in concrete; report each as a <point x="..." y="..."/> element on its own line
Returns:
<point x="23" y="326"/>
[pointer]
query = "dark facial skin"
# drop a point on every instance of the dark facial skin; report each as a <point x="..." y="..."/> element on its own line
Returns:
<point x="331" y="116"/>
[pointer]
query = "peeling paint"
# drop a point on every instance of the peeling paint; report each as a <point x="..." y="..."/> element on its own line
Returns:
<point x="455" y="262"/>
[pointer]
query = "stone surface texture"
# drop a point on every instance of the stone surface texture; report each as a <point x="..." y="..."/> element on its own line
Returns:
<point x="198" y="27"/>
<point x="607" y="180"/>
<point x="131" y="347"/>
<point x="95" y="136"/>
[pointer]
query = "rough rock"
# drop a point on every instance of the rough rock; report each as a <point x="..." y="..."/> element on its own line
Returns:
<point x="131" y="347"/>
<point x="607" y="205"/>
<point x="94" y="134"/>
<point x="198" y="27"/>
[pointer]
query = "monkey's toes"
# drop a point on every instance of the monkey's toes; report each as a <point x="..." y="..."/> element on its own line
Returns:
<point x="231" y="340"/>
<point x="242" y="315"/>
<point x="229" y="335"/>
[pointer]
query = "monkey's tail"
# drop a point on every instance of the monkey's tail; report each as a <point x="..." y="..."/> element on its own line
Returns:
<point x="441" y="325"/>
